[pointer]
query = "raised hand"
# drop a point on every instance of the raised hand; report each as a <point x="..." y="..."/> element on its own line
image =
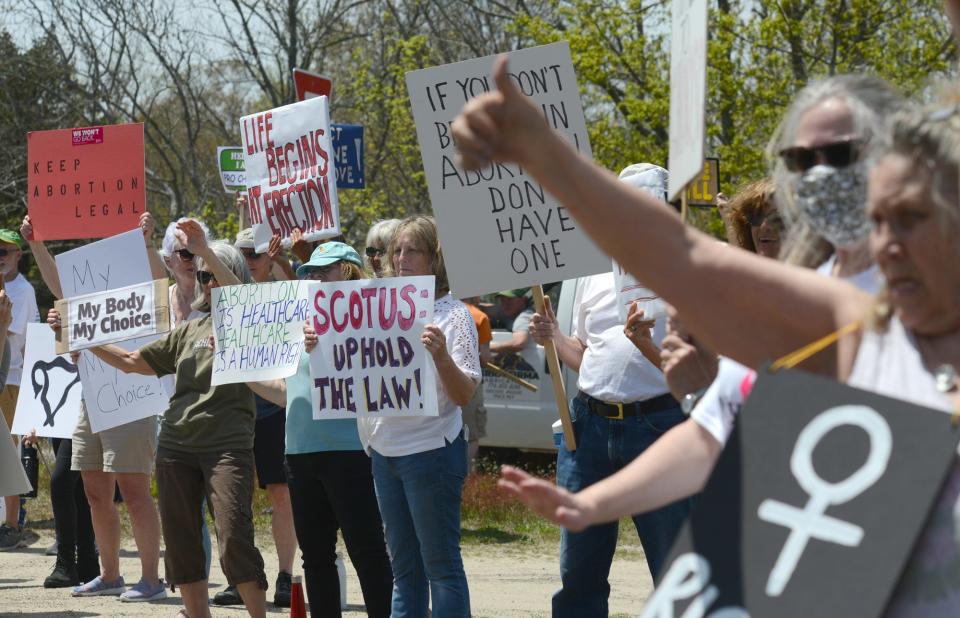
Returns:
<point x="498" y="126"/>
<point x="148" y="224"/>
<point x="26" y="228"/>
<point x="191" y="236"/>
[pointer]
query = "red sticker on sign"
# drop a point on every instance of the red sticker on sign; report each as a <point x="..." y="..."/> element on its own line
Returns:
<point x="88" y="135"/>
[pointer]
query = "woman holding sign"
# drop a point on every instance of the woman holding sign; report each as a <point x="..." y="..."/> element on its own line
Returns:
<point x="329" y="475"/>
<point x="905" y="343"/>
<point x="420" y="462"/>
<point x="206" y="441"/>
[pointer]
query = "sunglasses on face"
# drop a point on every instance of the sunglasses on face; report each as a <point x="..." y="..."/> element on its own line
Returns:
<point x="204" y="277"/>
<point x="4" y="252"/>
<point x="252" y="255"/>
<point x="771" y="217"/>
<point x="184" y="255"/>
<point x="837" y="154"/>
<point x="372" y="252"/>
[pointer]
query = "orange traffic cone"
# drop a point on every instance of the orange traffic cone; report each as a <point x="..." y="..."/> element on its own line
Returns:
<point x="298" y="608"/>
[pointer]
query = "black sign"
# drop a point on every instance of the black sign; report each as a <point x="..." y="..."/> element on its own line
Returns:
<point x="813" y="508"/>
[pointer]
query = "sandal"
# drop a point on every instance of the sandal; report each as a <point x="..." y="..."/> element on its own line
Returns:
<point x="183" y="613"/>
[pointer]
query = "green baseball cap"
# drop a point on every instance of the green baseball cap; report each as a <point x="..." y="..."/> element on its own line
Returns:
<point x="328" y="253"/>
<point x="517" y="293"/>
<point x="9" y="236"/>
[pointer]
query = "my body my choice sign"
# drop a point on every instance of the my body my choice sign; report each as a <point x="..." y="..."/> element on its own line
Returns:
<point x="814" y="507"/>
<point x="524" y="235"/>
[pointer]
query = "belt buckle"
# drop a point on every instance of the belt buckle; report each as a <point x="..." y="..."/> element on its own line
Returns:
<point x="619" y="407"/>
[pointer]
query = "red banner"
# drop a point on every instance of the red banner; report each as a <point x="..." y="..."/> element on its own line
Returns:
<point x="85" y="183"/>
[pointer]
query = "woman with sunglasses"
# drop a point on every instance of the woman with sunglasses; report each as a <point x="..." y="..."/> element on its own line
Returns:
<point x="206" y="440"/>
<point x="268" y="446"/>
<point x="907" y="342"/>
<point x="378" y="239"/>
<point x="179" y="262"/>
<point x="329" y="475"/>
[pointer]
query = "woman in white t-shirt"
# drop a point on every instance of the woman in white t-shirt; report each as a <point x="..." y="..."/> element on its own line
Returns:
<point x="420" y="463"/>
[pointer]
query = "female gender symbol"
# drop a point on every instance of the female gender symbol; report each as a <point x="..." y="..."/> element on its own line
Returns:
<point x="811" y="522"/>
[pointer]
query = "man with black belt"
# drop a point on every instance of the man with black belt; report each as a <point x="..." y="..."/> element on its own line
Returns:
<point x="622" y="407"/>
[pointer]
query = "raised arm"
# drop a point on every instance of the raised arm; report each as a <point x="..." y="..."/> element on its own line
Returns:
<point x="279" y="261"/>
<point x="783" y="307"/>
<point x="192" y="237"/>
<point x="45" y="261"/>
<point x="115" y="356"/>
<point x="157" y="268"/>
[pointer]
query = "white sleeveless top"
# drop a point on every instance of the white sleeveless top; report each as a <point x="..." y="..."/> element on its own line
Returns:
<point x="889" y="363"/>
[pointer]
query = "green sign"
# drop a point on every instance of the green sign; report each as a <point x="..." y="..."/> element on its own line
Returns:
<point x="232" y="171"/>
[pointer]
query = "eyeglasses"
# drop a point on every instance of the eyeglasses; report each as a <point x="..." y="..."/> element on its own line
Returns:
<point x="837" y="154"/>
<point x="184" y="255"/>
<point x="771" y="217"/>
<point x="372" y="252"/>
<point x="252" y="255"/>
<point x="204" y="277"/>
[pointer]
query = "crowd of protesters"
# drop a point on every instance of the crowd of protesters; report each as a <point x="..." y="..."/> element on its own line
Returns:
<point x="855" y="225"/>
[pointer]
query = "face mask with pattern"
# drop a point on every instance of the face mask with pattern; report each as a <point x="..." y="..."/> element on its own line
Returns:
<point x="833" y="202"/>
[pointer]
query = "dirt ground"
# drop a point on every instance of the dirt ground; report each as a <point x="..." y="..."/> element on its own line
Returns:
<point x="504" y="581"/>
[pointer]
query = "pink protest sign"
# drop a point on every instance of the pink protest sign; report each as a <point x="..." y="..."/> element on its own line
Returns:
<point x="86" y="182"/>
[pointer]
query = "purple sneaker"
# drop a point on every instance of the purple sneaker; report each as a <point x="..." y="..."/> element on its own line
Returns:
<point x="97" y="587"/>
<point x="142" y="592"/>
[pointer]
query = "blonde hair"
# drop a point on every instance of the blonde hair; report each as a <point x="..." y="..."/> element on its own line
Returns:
<point x="423" y="231"/>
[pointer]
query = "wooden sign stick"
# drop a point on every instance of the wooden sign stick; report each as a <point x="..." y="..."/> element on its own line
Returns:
<point x="553" y="362"/>
<point x="683" y="204"/>
<point x="500" y="371"/>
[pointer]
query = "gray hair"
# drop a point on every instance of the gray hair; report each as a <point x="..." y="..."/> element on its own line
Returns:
<point x="232" y="259"/>
<point x="170" y="236"/>
<point x="381" y="232"/>
<point x="871" y="101"/>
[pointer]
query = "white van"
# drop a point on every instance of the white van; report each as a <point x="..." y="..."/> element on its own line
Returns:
<point x="517" y="417"/>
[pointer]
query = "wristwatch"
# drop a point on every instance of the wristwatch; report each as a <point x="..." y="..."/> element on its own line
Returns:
<point x="690" y="400"/>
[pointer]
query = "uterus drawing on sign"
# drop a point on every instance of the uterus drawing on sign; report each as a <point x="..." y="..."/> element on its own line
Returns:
<point x="42" y="387"/>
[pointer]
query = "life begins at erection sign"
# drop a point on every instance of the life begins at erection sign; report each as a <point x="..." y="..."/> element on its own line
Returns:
<point x="85" y="183"/>
<point x="258" y="329"/>
<point x="814" y="506"/>
<point x="291" y="183"/>
<point x="500" y="229"/>
<point x="369" y="361"/>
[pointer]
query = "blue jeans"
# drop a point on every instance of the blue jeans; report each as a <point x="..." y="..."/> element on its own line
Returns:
<point x="419" y="497"/>
<point x="603" y="447"/>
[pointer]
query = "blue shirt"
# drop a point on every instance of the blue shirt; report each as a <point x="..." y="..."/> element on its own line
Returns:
<point x="306" y="435"/>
